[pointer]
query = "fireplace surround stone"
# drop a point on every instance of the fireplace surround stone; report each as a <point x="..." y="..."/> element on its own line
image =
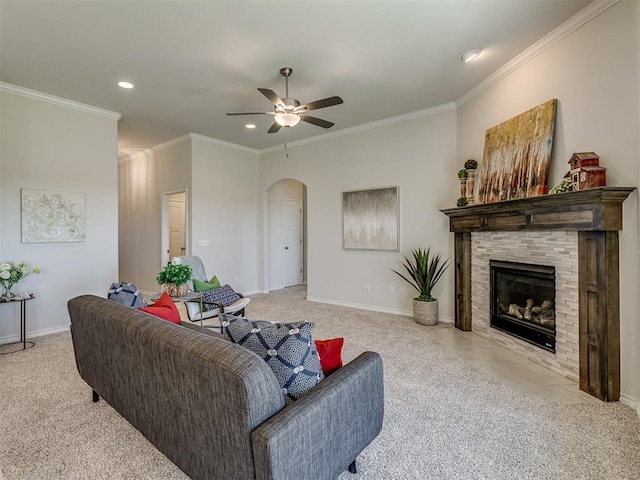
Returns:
<point x="590" y="220"/>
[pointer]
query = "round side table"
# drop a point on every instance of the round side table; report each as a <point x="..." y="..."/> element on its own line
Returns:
<point x="14" y="346"/>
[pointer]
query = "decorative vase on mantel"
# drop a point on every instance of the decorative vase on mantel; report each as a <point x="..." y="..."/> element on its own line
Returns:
<point x="425" y="313"/>
<point x="470" y="186"/>
<point x="175" y="290"/>
<point x="463" y="186"/>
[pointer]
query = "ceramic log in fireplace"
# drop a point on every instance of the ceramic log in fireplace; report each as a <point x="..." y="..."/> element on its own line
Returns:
<point x="523" y="302"/>
<point x="596" y="214"/>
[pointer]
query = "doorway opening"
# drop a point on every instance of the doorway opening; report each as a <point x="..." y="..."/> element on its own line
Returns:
<point x="174" y="225"/>
<point x="285" y="234"/>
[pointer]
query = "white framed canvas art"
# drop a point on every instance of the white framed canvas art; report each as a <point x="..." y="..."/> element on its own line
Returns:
<point x="50" y="216"/>
<point x="370" y="219"/>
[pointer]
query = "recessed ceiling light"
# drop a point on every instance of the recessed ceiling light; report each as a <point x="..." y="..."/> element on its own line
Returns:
<point x="125" y="84"/>
<point x="250" y="125"/>
<point x="469" y="55"/>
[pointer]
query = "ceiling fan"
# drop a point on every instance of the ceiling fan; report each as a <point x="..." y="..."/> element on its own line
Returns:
<point x="288" y="111"/>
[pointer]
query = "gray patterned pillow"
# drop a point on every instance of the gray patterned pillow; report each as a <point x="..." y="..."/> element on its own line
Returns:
<point x="224" y="295"/>
<point x="288" y="348"/>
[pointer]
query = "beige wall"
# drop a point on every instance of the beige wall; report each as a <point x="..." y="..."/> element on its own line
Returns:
<point x="593" y="73"/>
<point x="142" y="179"/>
<point x="417" y="155"/>
<point x="224" y="211"/>
<point x="54" y="144"/>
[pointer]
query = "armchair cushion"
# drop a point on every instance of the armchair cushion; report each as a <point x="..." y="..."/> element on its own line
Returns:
<point x="288" y="348"/>
<point x="224" y="295"/>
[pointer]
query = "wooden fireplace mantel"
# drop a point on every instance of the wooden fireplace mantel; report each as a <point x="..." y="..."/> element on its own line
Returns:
<point x="596" y="214"/>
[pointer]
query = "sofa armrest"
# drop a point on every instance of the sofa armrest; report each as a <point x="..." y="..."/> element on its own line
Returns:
<point x="320" y="434"/>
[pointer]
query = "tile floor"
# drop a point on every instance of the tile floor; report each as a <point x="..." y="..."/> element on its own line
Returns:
<point x="515" y="370"/>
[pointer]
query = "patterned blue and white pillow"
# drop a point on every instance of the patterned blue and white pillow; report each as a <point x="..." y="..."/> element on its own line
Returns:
<point x="288" y="348"/>
<point x="224" y="295"/>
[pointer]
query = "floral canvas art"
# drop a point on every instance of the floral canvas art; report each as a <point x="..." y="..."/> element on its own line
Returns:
<point x="517" y="155"/>
<point x="50" y="216"/>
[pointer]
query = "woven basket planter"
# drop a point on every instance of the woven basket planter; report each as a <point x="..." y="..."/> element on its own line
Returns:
<point x="425" y="313"/>
<point x="175" y="290"/>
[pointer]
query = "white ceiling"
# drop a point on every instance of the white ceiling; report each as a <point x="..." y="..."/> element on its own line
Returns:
<point x="192" y="61"/>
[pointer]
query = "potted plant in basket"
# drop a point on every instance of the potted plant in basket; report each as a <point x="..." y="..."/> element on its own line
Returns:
<point x="174" y="279"/>
<point x="424" y="271"/>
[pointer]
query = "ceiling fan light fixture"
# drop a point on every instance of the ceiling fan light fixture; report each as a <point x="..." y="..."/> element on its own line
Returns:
<point x="287" y="119"/>
<point x="469" y="55"/>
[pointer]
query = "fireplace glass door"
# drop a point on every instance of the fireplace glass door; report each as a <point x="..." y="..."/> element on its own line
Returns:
<point x="523" y="302"/>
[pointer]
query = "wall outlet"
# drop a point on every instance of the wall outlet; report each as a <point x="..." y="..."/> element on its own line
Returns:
<point x="391" y="291"/>
<point x="367" y="287"/>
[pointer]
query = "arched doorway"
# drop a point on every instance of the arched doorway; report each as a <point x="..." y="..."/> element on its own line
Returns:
<point x="286" y="234"/>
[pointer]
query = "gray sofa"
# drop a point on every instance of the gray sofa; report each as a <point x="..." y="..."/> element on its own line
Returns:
<point x="214" y="408"/>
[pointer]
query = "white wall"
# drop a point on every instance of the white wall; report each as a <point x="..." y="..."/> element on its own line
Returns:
<point x="419" y="156"/>
<point x="224" y="211"/>
<point x="53" y="144"/>
<point x="142" y="179"/>
<point x="593" y="73"/>
<point x="289" y="189"/>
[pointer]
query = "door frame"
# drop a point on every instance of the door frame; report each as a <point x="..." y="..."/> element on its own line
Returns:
<point x="164" y="224"/>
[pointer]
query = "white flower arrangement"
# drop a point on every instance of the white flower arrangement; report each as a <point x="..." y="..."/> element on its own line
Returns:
<point x="12" y="272"/>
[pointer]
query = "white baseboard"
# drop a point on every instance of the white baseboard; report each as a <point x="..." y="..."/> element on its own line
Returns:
<point x="373" y="308"/>
<point x="360" y="306"/>
<point x="34" y="334"/>
<point x="630" y="402"/>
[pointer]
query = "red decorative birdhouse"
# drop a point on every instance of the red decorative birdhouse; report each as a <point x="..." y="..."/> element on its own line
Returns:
<point x="586" y="171"/>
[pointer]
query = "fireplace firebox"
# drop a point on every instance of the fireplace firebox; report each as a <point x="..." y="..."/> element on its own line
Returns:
<point x="523" y="302"/>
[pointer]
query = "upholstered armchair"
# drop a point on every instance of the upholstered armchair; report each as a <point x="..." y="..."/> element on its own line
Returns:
<point x="193" y="308"/>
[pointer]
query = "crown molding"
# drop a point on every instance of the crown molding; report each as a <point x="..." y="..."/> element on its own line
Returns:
<point x="222" y="143"/>
<point x="578" y="20"/>
<point x="170" y="143"/>
<point x="63" y="102"/>
<point x="427" y="112"/>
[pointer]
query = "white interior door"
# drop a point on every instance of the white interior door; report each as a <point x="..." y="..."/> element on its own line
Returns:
<point x="292" y="236"/>
<point x="177" y="228"/>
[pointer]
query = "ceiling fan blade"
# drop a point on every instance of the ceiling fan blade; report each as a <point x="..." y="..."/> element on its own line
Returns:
<point x="250" y="113"/>
<point x="274" y="128"/>
<point x="325" y="102"/>
<point x="271" y="95"/>
<point x="316" y="121"/>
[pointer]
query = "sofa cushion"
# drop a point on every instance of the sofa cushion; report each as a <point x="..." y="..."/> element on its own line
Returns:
<point x="288" y="348"/>
<point x="164" y="308"/>
<point x="330" y="352"/>
<point x="200" y="286"/>
<point x="224" y="295"/>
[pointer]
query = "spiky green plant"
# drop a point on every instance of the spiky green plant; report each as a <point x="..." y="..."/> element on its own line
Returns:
<point x="424" y="272"/>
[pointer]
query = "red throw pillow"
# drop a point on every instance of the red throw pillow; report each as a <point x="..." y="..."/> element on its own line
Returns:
<point x="330" y="352"/>
<point x="164" y="308"/>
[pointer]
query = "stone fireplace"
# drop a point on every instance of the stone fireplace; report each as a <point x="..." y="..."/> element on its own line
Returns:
<point x="557" y="250"/>
<point x="573" y="234"/>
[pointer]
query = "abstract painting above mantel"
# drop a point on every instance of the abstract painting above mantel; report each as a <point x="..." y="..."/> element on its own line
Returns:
<point x="370" y="219"/>
<point x="517" y="155"/>
<point x="50" y="216"/>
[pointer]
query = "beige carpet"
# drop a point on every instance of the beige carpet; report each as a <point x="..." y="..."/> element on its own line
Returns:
<point x="444" y="418"/>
